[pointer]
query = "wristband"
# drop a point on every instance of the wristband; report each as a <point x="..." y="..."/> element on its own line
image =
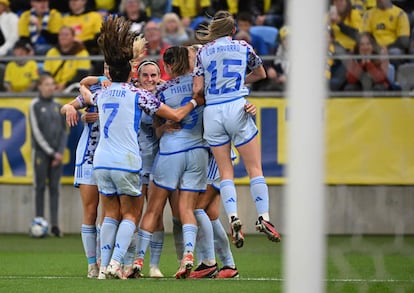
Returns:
<point x="194" y="102"/>
<point x="102" y="78"/>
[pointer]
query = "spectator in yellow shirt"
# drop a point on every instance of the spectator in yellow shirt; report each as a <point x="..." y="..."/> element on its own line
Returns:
<point x="390" y="27"/>
<point x="363" y="5"/>
<point x="85" y="23"/>
<point x="66" y="72"/>
<point x="191" y="12"/>
<point x="40" y="26"/>
<point x="345" y="23"/>
<point x="21" y="75"/>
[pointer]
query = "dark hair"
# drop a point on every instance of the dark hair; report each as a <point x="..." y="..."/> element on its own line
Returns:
<point x="177" y="58"/>
<point x="44" y="76"/>
<point x="22" y="44"/>
<point x="120" y="73"/>
<point x="375" y="47"/>
<point x="348" y="10"/>
<point x="116" y="42"/>
<point x="245" y="16"/>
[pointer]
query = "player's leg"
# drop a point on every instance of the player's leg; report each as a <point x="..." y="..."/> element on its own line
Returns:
<point x="111" y="211"/>
<point x="90" y="199"/>
<point x="130" y="204"/>
<point x="177" y="226"/>
<point x="250" y="152"/>
<point x="228" y="191"/>
<point x="157" y="198"/>
<point x="130" y="207"/>
<point x="109" y="227"/>
<point x="130" y="254"/>
<point x="186" y="205"/>
<point x="221" y="241"/>
<point x="156" y="245"/>
<point x="207" y="265"/>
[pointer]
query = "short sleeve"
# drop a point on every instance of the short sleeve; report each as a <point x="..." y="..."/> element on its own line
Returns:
<point x="148" y="102"/>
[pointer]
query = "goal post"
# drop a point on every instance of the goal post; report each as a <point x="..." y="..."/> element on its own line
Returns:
<point x="304" y="247"/>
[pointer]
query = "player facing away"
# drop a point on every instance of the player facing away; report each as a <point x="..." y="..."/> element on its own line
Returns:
<point x="185" y="153"/>
<point x="221" y="76"/>
<point x="117" y="160"/>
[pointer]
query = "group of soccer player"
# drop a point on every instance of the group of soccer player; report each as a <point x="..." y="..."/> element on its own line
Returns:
<point x="158" y="139"/>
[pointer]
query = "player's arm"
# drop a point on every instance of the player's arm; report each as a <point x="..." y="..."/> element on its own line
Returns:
<point x="91" y="80"/>
<point x="151" y="105"/>
<point x="168" y="126"/>
<point x="255" y="64"/>
<point x="178" y="114"/>
<point x="256" y="74"/>
<point x="198" y="87"/>
<point x="70" y="111"/>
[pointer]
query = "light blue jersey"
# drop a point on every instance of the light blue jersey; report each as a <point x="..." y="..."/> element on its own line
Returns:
<point x="183" y="157"/>
<point x="148" y="143"/>
<point x="87" y="143"/>
<point x="223" y="64"/>
<point x="176" y="93"/>
<point x="119" y="116"/>
<point x="90" y="135"/>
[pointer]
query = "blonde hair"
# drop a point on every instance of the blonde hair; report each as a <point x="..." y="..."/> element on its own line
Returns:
<point x="221" y="25"/>
<point x="166" y="18"/>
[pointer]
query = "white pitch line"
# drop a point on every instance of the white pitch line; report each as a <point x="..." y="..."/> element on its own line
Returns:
<point x="236" y="279"/>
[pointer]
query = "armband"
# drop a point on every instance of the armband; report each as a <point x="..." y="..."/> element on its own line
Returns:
<point x="194" y="102"/>
<point x="102" y="78"/>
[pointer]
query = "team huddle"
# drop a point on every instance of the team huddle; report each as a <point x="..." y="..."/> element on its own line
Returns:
<point x="157" y="141"/>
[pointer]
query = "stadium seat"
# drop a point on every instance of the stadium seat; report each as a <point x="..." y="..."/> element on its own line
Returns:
<point x="268" y="33"/>
<point x="391" y="73"/>
<point x="392" y="78"/>
<point x="405" y="76"/>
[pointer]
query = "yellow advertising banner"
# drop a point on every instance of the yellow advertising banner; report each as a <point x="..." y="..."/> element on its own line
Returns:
<point x="368" y="141"/>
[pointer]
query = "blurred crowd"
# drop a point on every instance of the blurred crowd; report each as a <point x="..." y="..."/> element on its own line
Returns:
<point x="56" y="28"/>
<point x="368" y="43"/>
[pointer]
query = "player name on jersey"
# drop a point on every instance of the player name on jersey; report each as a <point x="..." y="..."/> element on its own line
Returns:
<point x="227" y="48"/>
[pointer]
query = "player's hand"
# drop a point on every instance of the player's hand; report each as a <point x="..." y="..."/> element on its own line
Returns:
<point x="250" y="108"/>
<point x="171" y="126"/>
<point x="106" y="83"/>
<point x="90" y="117"/>
<point x="199" y="99"/>
<point x="71" y="115"/>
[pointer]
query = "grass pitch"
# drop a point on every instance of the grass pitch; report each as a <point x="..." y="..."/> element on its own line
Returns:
<point x="353" y="264"/>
